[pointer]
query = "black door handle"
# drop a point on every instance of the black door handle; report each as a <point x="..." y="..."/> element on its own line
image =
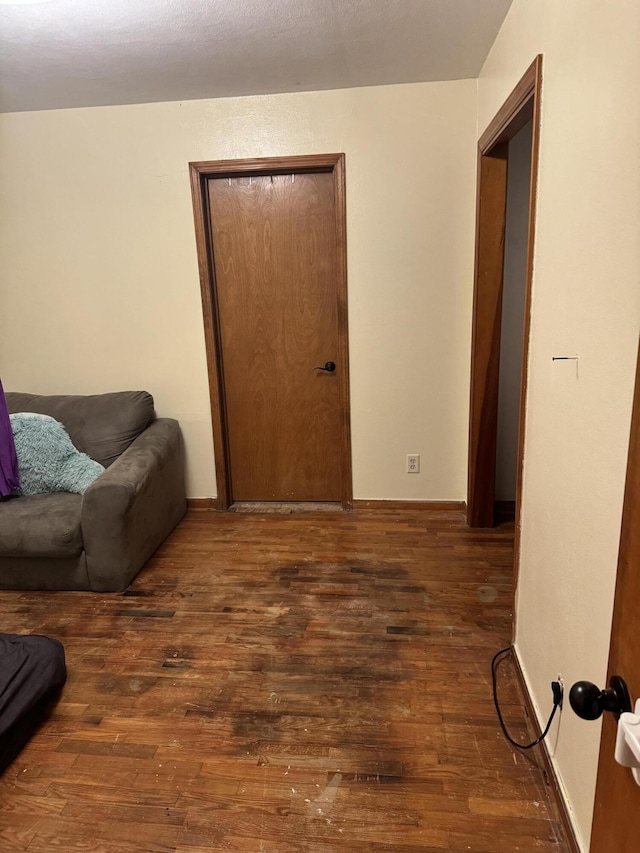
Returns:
<point x="588" y="701"/>
<point x="328" y="368"/>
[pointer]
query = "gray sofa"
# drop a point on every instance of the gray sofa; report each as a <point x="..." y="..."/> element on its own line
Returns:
<point x="100" y="540"/>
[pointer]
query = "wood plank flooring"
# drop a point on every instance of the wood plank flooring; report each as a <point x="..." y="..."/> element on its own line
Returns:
<point x="304" y="683"/>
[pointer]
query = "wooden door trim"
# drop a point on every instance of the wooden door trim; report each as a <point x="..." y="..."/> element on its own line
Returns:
<point x="200" y="172"/>
<point x="522" y="104"/>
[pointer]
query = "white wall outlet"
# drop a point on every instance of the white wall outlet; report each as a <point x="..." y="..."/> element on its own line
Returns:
<point x="413" y="463"/>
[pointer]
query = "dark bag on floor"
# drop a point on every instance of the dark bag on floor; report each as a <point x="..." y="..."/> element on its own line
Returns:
<point x="32" y="670"/>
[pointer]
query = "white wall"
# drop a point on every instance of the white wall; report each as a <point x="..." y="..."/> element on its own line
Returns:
<point x="100" y="286"/>
<point x="513" y="298"/>
<point x="586" y="301"/>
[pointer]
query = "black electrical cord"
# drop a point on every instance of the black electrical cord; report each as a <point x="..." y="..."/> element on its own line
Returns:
<point x="557" y="701"/>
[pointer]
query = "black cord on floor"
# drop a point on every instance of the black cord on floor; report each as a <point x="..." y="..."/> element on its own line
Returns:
<point x="499" y="713"/>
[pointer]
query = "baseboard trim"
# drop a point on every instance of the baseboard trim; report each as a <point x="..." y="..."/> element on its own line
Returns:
<point x="202" y="503"/>
<point x="536" y="731"/>
<point x="434" y="506"/>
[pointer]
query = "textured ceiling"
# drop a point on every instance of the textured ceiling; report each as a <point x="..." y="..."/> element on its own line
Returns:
<point x="71" y="53"/>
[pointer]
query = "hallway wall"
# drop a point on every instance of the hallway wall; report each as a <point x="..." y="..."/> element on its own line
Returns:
<point x="586" y="302"/>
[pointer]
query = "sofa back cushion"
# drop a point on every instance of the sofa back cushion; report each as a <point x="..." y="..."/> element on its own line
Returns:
<point x="100" y="425"/>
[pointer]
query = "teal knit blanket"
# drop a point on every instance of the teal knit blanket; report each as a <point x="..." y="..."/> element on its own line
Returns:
<point x="47" y="459"/>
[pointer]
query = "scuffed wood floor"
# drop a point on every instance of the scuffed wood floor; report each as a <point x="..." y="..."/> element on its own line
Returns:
<point x="313" y="682"/>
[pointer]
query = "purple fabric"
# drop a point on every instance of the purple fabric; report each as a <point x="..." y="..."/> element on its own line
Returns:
<point x="9" y="474"/>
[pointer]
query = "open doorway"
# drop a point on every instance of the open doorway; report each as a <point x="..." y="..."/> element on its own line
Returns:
<point x="501" y="290"/>
<point x="512" y="325"/>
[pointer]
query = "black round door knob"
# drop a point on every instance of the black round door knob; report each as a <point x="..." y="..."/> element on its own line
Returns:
<point x="588" y="701"/>
<point x="329" y="367"/>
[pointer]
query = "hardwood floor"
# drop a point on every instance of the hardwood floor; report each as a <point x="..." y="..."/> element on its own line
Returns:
<point x="285" y="683"/>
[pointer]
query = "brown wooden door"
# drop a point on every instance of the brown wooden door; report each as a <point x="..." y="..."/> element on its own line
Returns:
<point x="275" y="260"/>
<point x="616" y="822"/>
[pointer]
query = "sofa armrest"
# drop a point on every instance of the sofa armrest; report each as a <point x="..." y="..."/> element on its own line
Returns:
<point x="133" y="506"/>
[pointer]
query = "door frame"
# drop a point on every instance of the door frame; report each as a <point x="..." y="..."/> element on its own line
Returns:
<point x="491" y="202"/>
<point x="200" y="172"/>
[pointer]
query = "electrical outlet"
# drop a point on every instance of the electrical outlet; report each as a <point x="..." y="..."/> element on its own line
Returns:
<point x="413" y="463"/>
<point x="557" y="688"/>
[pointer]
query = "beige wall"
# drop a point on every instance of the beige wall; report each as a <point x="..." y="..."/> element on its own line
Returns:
<point x="100" y="287"/>
<point x="586" y="301"/>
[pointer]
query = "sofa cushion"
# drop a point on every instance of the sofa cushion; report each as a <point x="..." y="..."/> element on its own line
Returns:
<point x="41" y="526"/>
<point x="100" y="425"/>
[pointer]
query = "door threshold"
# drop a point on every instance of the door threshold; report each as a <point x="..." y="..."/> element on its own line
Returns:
<point x="284" y="507"/>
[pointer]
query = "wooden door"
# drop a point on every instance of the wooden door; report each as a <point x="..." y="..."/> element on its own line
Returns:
<point x="275" y="265"/>
<point x="616" y="820"/>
